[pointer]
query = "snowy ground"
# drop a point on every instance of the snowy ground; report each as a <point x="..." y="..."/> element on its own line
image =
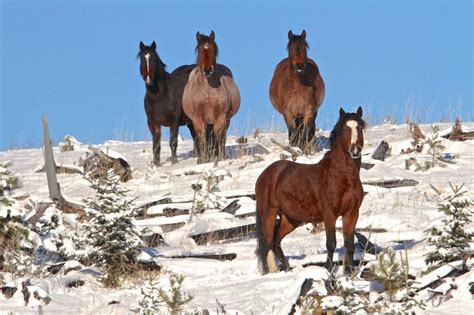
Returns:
<point x="404" y="212"/>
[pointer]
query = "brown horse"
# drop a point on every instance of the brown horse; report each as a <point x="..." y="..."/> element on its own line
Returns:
<point x="321" y="192"/>
<point x="297" y="92"/>
<point x="210" y="99"/>
<point x="164" y="92"/>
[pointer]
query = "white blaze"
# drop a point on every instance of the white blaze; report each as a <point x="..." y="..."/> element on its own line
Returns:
<point x="147" y="58"/>
<point x="353" y="125"/>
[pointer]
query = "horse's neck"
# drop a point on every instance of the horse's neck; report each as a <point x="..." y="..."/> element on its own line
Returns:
<point x="341" y="164"/>
<point x="160" y="84"/>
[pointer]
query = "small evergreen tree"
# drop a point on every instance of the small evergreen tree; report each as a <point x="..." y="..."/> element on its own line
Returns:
<point x="435" y="146"/>
<point x="156" y="297"/>
<point x="387" y="270"/>
<point x="113" y="239"/>
<point x="207" y="195"/>
<point x="450" y="238"/>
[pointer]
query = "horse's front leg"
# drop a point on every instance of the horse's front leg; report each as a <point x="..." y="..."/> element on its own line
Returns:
<point x="309" y="131"/>
<point x="155" y="130"/>
<point x="200" y="140"/>
<point x="174" y="141"/>
<point x="349" y="221"/>
<point x="220" y="134"/>
<point x="193" y="135"/>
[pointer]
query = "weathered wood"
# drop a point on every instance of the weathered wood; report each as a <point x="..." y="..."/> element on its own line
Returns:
<point x="50" y="165"/>
<point x="99" y="163"/>
<point x="294" y="151"/>
<point x="53" y="185"/>
<point x="232" y="207"/>
<point x="305" y="287"/>
<point x="367" y="166"/>
<point x="367" y="245"/>
<point x="224" y="234"/>
<point x="221" y="257"/>
<point x="393" y="183"/>
<point x="381" y="151"/>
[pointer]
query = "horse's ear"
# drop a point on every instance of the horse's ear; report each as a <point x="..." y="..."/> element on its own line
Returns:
<point x="303" y="34"/>
<point x="142" y="46"/>
<point x="359" y="112"/>
<point x="198" y="36"/>
<point x="290" y="35"/>
<point x="341" y="112"/>
<point x="212" y="36"/>
<point x="153" y="45"/>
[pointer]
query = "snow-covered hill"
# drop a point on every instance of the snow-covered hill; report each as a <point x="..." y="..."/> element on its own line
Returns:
<point x="390" y="217"/>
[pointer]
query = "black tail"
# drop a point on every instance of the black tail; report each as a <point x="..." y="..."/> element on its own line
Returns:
<point x="262" y="248"/>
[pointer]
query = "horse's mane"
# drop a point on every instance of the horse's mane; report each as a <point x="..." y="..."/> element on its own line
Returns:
<point x="298" y="39"/>
<point x="206" y="39"/>
<point x="338" y="126"/>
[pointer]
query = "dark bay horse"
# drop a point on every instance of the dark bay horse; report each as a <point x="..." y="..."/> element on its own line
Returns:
<point x="163" y="98"/>
<point x="297" y="92"/>
<point x="300" y="193"/>
<point x="210" y="99"/>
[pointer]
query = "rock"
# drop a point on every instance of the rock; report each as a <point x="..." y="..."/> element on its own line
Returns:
<point x="381" y="152"/>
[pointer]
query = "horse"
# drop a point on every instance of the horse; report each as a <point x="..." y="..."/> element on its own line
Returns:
<point x="210" y="99"/>
<point x="303" y="193"/>
<point x="297" y="92"/>
<point x="163" y="98"/>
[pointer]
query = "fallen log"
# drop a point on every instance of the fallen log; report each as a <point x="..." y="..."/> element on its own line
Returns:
<point x="224" y="234"/>
<point x="392" y="183"/>
<point x="99" y="163"/>
<point x="367" y="245"/>
<point x="305" y="287"/>
<point x="221" y="257"/>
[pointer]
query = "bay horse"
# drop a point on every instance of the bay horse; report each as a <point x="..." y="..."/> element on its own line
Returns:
<point x="163" y="98"/>
<point x="210" y="99"/>
<point x="312" y="193"/>
<point x="297" y="92"/>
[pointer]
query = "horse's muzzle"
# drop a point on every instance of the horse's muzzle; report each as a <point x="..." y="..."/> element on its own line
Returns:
<point x="355" y="151"/>
<point x="299" y="67"/>
<point x="208" y="71"/>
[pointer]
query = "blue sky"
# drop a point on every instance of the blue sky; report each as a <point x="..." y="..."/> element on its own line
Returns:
<point x="75" y="60"/>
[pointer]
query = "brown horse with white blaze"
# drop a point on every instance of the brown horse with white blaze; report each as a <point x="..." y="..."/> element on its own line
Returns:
<point x="312" y="193"/>
<point x="210" y="99"/>
<point x="297" y="92"/>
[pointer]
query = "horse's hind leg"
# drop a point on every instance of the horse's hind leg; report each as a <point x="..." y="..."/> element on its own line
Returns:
<point x="330" y="227"/>
<point x="283" y="227"/>
<point x="193" y="135"/>
<point x="174" y="142"/>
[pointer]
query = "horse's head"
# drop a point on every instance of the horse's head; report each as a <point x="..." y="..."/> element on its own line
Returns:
<point x="207" y="51"/>
<point x="297" y="47"/>
<point x="348" y="132"/>
<point x="150" y="63"/>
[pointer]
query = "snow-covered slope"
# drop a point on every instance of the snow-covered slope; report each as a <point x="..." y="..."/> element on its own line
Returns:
<point x="405" y="213"/>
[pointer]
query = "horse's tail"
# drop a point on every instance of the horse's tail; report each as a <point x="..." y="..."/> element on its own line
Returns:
<point x="262" y="247"/>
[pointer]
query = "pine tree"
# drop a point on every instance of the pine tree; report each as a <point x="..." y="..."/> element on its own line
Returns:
<point x="435" y="146"/>
<point x="207" y="193"/>
<point x="387" y="270"/>
<point x="450" y="238"/>
<point x="113" y="239"/>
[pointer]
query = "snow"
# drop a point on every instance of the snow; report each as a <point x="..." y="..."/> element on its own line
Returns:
<point x="404" y="212"/>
